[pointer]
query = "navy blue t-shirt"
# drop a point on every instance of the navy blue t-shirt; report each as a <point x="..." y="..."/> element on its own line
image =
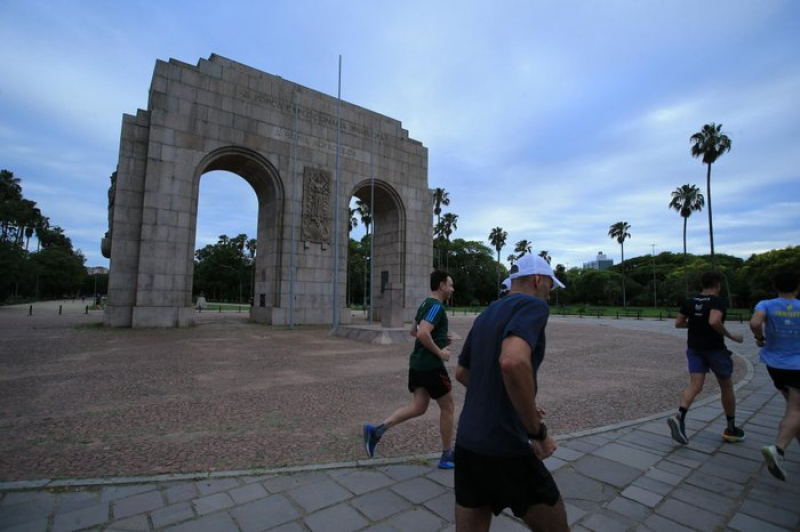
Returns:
<point x="489" y="424"/>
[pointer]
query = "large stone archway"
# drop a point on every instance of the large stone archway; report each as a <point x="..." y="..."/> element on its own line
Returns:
<point x="281" y="138"/>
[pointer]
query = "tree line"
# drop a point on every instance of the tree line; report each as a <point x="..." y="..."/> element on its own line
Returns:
<point x="54" y="269"/>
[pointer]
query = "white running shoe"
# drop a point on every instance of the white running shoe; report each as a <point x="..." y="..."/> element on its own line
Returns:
<point x="774" y="462"/>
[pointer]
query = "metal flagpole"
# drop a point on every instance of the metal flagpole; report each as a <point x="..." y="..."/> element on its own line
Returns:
<point x="336" y="205"/>
<point x="372" y="222"/>
<point x="294" y="214"/>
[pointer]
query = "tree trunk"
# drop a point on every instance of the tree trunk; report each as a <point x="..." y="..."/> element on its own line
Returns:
<point x="622" y="251"/>
<point x="710" y="222"/>
<point x="685" y="273"/>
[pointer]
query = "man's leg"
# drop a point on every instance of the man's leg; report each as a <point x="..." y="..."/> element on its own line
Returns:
<point x="727" y="396"/>
<point x="446" y="420"/>
<point x="417" y="407"/>
<point x="544" y="518"/>
<point x="473" y="519"/>
<point x="789" y="426"/>
<point x="677" y="423"/>
<point x="693" y="389"/>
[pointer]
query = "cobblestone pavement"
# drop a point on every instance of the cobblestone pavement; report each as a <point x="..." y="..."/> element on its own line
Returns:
<point x="624" y="476"/>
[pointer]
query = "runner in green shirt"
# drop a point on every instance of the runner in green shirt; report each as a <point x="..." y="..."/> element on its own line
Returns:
<point x="427" y="376"/>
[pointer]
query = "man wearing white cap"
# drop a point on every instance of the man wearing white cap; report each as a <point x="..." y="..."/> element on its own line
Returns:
<point x="502" y="440"/>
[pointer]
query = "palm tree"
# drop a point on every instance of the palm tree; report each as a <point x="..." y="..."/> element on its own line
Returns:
<point x="449" y="225"/>
<point x="440" y="197"/>
<point x="619" y="231"/>
<point x="686" y="199"/>
<point x="353" y="223"/>
<point x="545" y="256"/>
<point x="498" y="239"/>
<point x="511" y="259"/>
<point x="710" y="143"/>
<point x="364" y="212"/>
<point x="522" y="247"/>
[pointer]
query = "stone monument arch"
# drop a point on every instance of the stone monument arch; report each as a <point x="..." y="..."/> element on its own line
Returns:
<point x="304" y="153"/>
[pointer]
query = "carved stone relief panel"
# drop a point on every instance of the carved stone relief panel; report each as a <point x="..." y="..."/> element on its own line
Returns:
<point x="316" y="205"/>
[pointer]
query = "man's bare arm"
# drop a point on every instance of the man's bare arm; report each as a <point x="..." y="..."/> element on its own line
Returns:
<point x="716" y="323"/>
<point x="424" y="336"/>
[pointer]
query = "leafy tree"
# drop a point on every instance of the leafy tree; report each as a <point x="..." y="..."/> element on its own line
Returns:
<point x="474" y="271"/>
<point x="686" y="199"/>
<point x="710" y="144"/>
<point x="223" y="271"/>
<point x="619" y="231"/>
<point x="59" y="271"/>
<point x="760" y="269"/>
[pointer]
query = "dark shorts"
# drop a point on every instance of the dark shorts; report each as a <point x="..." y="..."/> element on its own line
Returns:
<point x="499" y="482"/>
<point x="783" y="379"/>
<point x="435" y="381"/>
<point x="720" y="361"/>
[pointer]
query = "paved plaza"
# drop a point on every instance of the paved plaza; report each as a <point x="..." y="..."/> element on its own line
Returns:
<point x="625" y="474"/>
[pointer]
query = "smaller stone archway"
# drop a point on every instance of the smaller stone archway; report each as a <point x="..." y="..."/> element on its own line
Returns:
<point x="267" y="185"/>
<point x="389" y="251"/>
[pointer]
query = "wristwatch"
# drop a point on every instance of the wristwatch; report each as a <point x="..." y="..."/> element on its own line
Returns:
<point x="541" y="435"/>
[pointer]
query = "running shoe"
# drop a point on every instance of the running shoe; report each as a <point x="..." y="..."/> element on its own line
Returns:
<point x="732" y="436"/>
<point x="371" y="439"/>
<point x="774" y="462"/>
<point x="678" y="430"/>
<point x="448" y="460"/>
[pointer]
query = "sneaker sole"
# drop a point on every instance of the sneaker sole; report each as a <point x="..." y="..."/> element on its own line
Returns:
<point x="676" y="432"/>
<point x="366" y="442"/>
<point x="772" y="466"/>
<point x="732" y="439"/>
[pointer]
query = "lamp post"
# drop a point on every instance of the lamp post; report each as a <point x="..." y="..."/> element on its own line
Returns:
<point x="366" y="269"/>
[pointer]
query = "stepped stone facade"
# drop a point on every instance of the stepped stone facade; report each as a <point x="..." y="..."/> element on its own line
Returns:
<point x="281" y="138"/>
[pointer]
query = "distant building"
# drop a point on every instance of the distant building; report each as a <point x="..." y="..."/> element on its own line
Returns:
<point x="600" y="263"/>
<point x="96" y="270"/>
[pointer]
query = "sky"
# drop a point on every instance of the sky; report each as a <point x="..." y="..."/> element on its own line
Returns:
<point x="552" y="120"/>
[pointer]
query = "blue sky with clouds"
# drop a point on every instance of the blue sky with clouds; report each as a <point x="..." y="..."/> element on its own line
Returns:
<point x="552" y="120"/>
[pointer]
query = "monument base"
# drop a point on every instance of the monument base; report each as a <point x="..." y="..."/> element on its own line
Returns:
<point x="376" y="334"/>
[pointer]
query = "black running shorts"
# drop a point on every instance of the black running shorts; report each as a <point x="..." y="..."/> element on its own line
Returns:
<point x="785" y="378"/>
<point x="435" y="381"/>
<point x="500" y="482"/>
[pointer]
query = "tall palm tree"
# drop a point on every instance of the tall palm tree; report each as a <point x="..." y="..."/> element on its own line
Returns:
<point x="710" y="143"/>
<point x="619" y="231"/>
<point x="498" y="239"/>
<point x="686" y="199"/>
<point x="522" y="247"/>
<point x="440" y="197"/>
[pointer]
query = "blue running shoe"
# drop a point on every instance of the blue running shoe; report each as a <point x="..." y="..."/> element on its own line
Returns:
<point x="371" y="439"/>
<point x="448" y="460"/>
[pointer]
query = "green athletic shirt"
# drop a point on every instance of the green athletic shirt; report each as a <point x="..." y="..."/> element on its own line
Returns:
<point x="432" y="311"/>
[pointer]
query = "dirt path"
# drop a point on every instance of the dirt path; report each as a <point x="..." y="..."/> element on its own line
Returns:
<point x="79" y="400"/>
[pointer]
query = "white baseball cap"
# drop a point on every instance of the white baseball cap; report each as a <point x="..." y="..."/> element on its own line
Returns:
<point x="533" y="265"/>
